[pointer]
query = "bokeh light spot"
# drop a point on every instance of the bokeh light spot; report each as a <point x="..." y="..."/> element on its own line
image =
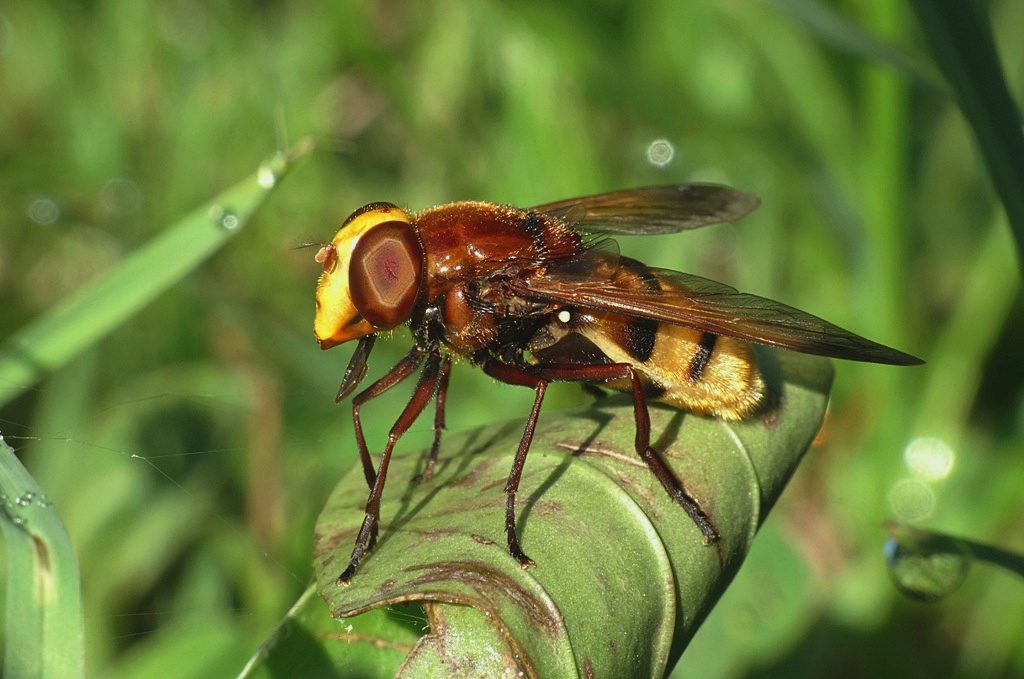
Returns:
<point x="660" y="152"/>
<point x="929" y="458"/>
<point x="43" y="211"/>
<point x="911" y="499"/>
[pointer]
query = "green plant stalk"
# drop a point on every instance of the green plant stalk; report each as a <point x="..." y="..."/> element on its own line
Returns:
<point x="45" y="628"/>
<point x="881" y="188"/>
<point x="967" y="338"/>
<point x="73" y="326"/>
<point x="881" y="191"/>
<point x="931" y="542"/>
<point x="961" y="40"/>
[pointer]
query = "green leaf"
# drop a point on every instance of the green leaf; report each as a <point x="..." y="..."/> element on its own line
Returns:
<point x="622" y="577"/>
<point x="73" y="326"/>
<point x="45" y="634"/>
<point x="308" y="643"/>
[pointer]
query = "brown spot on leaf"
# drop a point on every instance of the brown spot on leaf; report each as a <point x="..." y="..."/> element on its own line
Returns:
<point x="42" y="553"/>
<point x="474" y="474"/>
<point x="581" y="449"/>
<point x="546" y="507"/>
<point x="489" y="585"/>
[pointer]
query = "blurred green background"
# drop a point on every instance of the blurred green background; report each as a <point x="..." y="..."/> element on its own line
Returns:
<point x="191" y="450"/>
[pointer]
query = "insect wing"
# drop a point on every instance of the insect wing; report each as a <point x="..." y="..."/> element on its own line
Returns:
<point x="700" y="303"/>
<point x="654" y="209"/>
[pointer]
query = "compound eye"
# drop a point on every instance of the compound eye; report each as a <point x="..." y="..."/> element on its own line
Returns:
<point x="384" y="276"/>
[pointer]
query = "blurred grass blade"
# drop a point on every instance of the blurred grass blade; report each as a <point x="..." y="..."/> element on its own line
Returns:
<point x="62" y="333"/>
<point x="968" y="336"/>
<point x="45" y="634"/>
<point x="961" y="40"/>
<point x="833" y="27"/>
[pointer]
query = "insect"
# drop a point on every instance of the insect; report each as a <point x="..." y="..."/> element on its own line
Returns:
<point x="541" y="295"/>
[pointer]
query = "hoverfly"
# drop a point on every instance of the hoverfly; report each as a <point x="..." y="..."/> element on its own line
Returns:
<point x="531" y="297"/>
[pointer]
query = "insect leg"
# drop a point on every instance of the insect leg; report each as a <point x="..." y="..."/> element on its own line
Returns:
<point x="673" y="486"/>
<point x="398" y="373"/>
<point x="439" y="403"/>
<point x="676" y="490"/>
<point x="425" y="389"/>
<point x="519" y="377"/>
<point x="356" y="370"/>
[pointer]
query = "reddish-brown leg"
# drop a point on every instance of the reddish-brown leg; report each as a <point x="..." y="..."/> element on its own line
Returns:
<point x="519" y="377"/>
<point x="676" y="490"/>
<point x="367" y="537"/>
<point x="402" y="370"/>
<point x="439" y="403"/>
<point x="538" y="377"/>
<point x="673" y="486"/>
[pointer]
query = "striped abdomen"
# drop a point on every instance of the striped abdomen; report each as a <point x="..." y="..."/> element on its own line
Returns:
<point x="686" y="368"/>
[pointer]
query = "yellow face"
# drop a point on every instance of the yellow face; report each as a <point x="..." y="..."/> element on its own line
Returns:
<point x="371" y="274"/>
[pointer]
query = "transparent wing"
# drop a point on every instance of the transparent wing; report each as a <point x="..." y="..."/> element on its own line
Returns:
<point x="653" y="209"/>
<point x="700" y="303"/>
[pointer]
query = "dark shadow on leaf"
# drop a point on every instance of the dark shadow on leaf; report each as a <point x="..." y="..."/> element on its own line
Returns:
<point x="670" y="434"/>
<point x="601" y="419"/>
<point x="466" y="457"/>
<point x="780" y="367"/>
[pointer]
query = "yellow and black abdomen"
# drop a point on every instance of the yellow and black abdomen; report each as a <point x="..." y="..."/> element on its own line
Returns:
<point x="682" y="366"/>
<point x="686" y="368"/>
